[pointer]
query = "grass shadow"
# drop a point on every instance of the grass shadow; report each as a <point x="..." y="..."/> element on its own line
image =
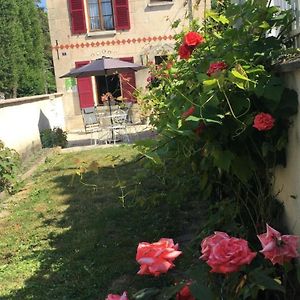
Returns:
<point x="78" y="241"/>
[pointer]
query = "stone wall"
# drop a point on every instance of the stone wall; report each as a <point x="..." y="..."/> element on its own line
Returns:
<point x="287" y="179"/>
<point x="22" y="120"/>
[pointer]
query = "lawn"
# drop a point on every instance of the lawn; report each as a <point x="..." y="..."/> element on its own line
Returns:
<point x="63" y="237"/>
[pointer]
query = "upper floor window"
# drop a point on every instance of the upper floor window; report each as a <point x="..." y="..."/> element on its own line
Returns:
<point x="100" y="15"/>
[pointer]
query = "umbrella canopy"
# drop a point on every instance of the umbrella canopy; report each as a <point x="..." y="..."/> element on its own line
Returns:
<point x="103" y="66"/>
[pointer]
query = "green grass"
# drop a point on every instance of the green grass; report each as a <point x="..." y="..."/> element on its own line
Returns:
<point x="71" y="239"/>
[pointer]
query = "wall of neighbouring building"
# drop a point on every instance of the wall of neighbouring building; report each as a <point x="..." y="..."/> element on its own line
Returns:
<point x="150" y="35"/>
<point x="22" y="120"/>
<point x="287" y="179"/>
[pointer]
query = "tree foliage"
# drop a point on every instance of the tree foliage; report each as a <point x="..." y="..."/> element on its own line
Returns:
<point x="24" y="63"/>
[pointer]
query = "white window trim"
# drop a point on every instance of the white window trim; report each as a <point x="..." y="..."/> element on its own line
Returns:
<point x="101" y="33"/>
<point x="160" y="3"/>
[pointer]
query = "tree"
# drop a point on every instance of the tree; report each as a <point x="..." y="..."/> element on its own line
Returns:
<point x="10" y="48"/>
<point x="25" y="57"/>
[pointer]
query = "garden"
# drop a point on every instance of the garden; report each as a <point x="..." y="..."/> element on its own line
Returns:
<point x="190" y="215"/>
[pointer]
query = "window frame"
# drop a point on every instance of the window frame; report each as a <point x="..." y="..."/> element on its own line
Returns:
<point x="101" y="20"/>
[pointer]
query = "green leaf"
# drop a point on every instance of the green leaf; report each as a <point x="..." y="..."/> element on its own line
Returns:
<point x="265" y="281"/>
<point x="193" y="119"/>
<point x="264" y="25"/>
<point x="209" y="84"/>
<point x="201" y="291"/>
<point x="202" y="76"/>
<point x="242" y="167"/>
<point x="223" y="159"/>
<point x="238" y="75"/>
<point x="146" y="294"/>
<point x="169" y="292"/>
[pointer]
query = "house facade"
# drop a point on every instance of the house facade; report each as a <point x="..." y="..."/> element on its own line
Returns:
<point x="138" y="31"/>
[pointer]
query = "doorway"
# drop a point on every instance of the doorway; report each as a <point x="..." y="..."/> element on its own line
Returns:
<point x="114" y="87"/>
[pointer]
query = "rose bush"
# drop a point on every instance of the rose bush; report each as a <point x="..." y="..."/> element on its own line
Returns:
<point x="222" y="114"/>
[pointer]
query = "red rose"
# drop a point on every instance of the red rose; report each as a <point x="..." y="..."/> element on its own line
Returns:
<point x="263" y="122"/>
<point x="185" y="294"/>
<point x="278" y="248"/>
<point x="156" y="258"/>
<point x="216" y="67"/>
<point x="188" y="112"/>
<point x="193" y="39"/>
<point x="184" y="51"/>
<point x="226" y="254"/>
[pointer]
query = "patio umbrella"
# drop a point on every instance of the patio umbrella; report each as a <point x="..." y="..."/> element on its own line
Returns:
<point x="103" y="67"/>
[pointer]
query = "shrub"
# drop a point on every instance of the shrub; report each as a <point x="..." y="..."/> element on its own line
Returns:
<point x="53" y="137"/>
<point x="9" y="165"/>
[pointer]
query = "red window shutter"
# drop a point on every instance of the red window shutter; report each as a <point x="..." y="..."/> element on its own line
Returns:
<point x="77" y="15"/>
<point x="128" y="84"/>
<point x="85" y="88"/>
<point x="121" y="14"/>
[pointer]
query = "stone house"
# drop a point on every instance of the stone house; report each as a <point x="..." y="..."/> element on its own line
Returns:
<point x="133" y="30"/>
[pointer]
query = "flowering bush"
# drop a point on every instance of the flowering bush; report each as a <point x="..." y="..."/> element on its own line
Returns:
<point x="225" y="255"/>
<point x="223" y="113"/>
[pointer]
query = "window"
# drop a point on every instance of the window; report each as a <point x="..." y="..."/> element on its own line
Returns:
<point x="160" y="59"/>
<point x="100" y="15"/>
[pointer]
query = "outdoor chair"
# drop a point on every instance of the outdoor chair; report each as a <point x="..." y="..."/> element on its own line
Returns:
<point x="90" y="119"/>
<point x="115" y="125"/>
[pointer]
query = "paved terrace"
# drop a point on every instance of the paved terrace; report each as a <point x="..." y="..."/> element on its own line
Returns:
<point x="79" y="138"/>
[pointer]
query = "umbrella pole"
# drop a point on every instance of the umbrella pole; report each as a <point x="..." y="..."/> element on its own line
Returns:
<point x="109" y="105"/>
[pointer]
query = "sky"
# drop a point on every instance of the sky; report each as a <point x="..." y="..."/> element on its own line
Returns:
<point x="43" y="3"/>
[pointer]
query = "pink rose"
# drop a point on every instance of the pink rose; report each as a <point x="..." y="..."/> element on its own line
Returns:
<point x="226" y="254"/>
<point x="278" y="248"/>
<point x="209" y="242"/>
<point x="263" y="122"/>
<point x="156" y="258"/>
<point x="117" y="297"/>
<point x="216" y="67"/>
<point x="184" y="51"/>
<point x="188" y="112"/>
<point x="185" y="294"/>
<point x="193" y="39"/>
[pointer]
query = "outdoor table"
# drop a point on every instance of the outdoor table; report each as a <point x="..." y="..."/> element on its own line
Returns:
<point x="113" y="123"/>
